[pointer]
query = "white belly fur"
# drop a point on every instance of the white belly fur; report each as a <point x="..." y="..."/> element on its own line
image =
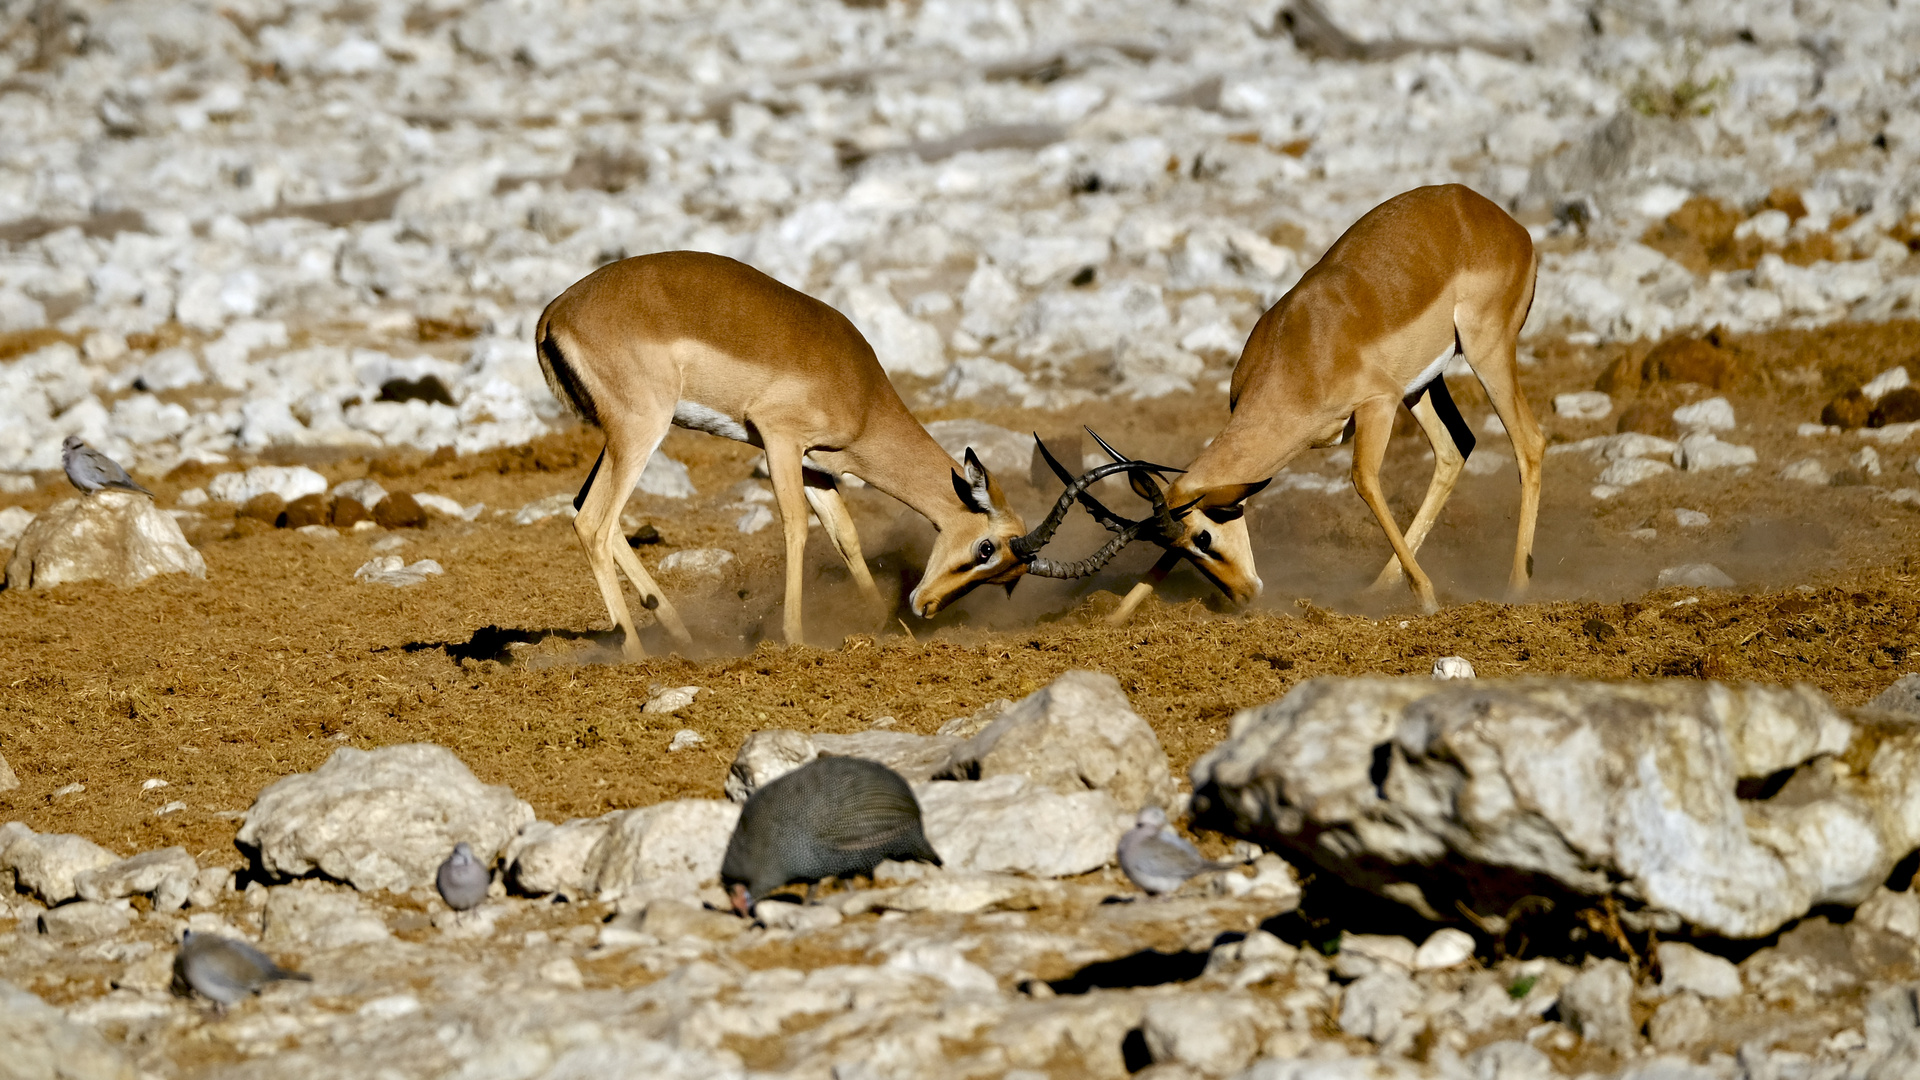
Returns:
<point x="697" y="417"/>
<point x="1430" y="373"/>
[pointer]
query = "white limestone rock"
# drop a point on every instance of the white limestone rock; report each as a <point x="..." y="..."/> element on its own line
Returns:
<point x="1807" y="471"/>
<point x="1694" y="576"/>
<point x="1005" y="453"/>
<point x="665" y="478"/>
<point x="697" y="562"/>
<point x="1712" y="414"/>
<point x="670" y="849"/>
<point x="1901" y="697"/>
<point x="1583" y="405"/>
<point x="49" y="865"/>
<point x="85" y="920"/>
<point x="1685" y="968"/>
<point x="379" y="819"/>
<point x="1215" y="1033"/>
<point x="290" y="482"/>
<point x="167" y="875"/>
<point x="1599" y="787"/>
<point x="1009" y="824"/>
<point x="112" y="536"/>
<point x="1700" y="451"/>
<point x="767" y="755"/>
<point x="1598" y="1004"/>
<point x="1077" y="733"/>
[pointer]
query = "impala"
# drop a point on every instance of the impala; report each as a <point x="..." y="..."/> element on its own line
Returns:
<point x="1426" y="274"/>
<point x="711" y="344"/>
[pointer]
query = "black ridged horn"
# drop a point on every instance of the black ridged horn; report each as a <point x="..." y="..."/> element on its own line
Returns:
<point x="1045" y="567"/>
<point x="1025" y="548"/>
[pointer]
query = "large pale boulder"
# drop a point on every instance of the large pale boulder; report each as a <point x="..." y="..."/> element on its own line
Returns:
<point x="668" y="850"/>
<point x="1077" y="733"/>
<point x="113" y="536"/>
<point x="1728" y="809"/>
<point x="379" y="819"/>
<point x="1009" y="824"/>
<point x="665" y="850"/>
<point x="48" y="865"/>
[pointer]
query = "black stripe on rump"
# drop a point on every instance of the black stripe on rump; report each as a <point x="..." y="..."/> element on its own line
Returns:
<point x="562" y="378"/>
<point x="1448" y="412"/>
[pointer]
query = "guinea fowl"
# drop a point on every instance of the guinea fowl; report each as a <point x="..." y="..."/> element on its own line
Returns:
<point x="832" y="817"/>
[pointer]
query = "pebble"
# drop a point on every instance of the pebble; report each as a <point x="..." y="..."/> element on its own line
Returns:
<point x="670" y="699"/>
<point x="395" y="571"/>
<point x="1690" y="519"/>
<point x="685" y="738"/>
<point x="1584" y="405"/>
<point x="1694" y="575"/>
<point x="1452" y="667"/>
<point x="1713" y="414"/>
<point x="1806" y="471"/>
<point x="701" y="562"/>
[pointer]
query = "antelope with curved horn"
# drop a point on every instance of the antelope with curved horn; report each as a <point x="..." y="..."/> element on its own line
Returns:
<point x="711" y="344"/>
<point x="1426" y="274"/>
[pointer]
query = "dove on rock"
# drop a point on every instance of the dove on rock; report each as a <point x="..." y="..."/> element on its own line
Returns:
<point x="91" y="471"/>
<point x="832" y="817"/>
<point x="224" y="970"/>
<point x="1158" y="859"/>
<point x="463" y="879"/>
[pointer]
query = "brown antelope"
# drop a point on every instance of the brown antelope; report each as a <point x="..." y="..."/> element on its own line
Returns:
<point x="1371" y="326"/>
<point x="714" y="345"/>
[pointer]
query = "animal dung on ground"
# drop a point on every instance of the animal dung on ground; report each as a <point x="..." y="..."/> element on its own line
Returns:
<point x="399" y="511"/>
<point x="265" y="506"/>
<point x="347" y="512"/>
<point x="832" y="817"/>
<point x="224" y="970"/>
<point x="305" y="510"/>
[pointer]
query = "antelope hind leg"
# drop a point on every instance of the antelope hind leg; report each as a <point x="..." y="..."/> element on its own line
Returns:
<point x="1448" y="462"/>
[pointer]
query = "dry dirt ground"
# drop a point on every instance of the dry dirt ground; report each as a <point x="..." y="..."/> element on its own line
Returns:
<point x="219" y="687"/>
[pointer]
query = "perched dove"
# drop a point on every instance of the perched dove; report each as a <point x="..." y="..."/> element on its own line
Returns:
<point x="91" y="471"/>
<point x="224" y="970"/>
<point x="832" y="817"/>
<point x="463" y="879"/>
<point x="1158" y="859"/>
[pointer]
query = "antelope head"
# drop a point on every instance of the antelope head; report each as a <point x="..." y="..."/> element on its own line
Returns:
<point x="1208" y="530"/>
<point x="992" y="546"/>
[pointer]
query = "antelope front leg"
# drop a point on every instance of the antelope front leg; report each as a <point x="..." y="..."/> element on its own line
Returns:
<point x="831" y="509"/>
<point x="789" y="492"/>
<point x="1139" y="593"/>
<point x="1372" y="427"/>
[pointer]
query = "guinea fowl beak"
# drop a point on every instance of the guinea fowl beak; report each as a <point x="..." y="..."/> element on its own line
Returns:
<point x="742" y="903"/>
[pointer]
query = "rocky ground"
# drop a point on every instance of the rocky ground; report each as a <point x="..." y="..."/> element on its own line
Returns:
<point x="283" y="261"/>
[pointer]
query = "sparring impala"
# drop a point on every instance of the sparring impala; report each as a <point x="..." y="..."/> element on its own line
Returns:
<point x="711" y="344"/>
<point x="1371" y="326"/>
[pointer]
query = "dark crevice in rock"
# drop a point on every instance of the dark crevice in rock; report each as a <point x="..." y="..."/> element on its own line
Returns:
<point x="1762" y="788"/>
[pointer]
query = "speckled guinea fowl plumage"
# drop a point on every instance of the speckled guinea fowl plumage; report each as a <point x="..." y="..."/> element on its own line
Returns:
<point x="832" y="817"/>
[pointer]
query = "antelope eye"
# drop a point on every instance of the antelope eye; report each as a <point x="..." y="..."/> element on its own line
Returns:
<point x="985" y="551"/>
<point x="1204" y="541"/>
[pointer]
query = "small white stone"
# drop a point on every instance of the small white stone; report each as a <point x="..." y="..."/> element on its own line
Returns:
<point x="1627" y="472"/>
<point x="1690" y="519"/>
<point x="1583" y="405"/>
<point x="1452" y="667"/>
<point x="1806" y="471"/>
<point x="1683" y="967"/>
<point x="684" y="738"/>
<point x="1867" y="459"/>
<point x="1894" y="378"/>
<point x="1810" y="430"/>
<point x="708" y="562"/>
<point x="69" y="789"/>
<point x="16" y="484"/>
<point x="153" y="782"/>
<point x="193" y="497"/>
<point x="669" y="699"/>
<point x="1644" y="534"/>
<point x="1713" y="414"/>
<point x="562" y="972"/>
<point x="1447" y="947"/>
<point x="1700" y="451"/>
<point x="1603" y="492"/>
<point x="173" y="807"/>
<point x="1695" y="575"/>
<point x="757" y="517"/>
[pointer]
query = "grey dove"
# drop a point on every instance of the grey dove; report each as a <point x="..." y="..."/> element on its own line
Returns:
<point x="1158" y="859"/>
<point x="224" y="970"/>
<point x="463" y="879"/>
<point x="832" y="817"/>
<point x="91" y="471"/>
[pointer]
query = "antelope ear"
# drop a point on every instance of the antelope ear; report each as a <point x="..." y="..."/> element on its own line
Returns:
<point x="965" y="491"/>
<point x="1225" y="503"/>
<point x="981" y="482"/>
